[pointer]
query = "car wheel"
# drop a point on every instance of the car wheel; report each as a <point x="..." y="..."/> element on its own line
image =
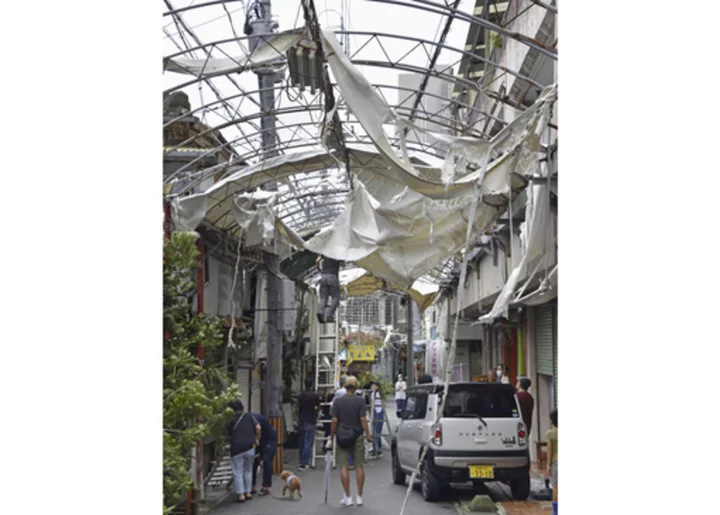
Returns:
<point x="429" y="484"/>
<point x="520" y="488"/>
<point x="398" y="475"/>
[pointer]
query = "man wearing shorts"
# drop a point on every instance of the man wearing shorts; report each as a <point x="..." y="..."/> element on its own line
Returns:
<point x="349" y="418"/>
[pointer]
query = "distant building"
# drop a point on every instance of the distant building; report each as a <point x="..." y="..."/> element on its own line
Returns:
<point x="435" y="104"/>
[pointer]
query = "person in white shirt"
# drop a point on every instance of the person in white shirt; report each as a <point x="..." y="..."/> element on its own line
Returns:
<point x="400" y="395"/>
<point x="342" y="390"/>
<point x="503" y="374"/>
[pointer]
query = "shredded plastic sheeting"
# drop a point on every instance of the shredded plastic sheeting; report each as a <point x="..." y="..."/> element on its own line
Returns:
<point x="271" y="53"/>
<point x="395" y="210"/>
<point x="537" y="213"/>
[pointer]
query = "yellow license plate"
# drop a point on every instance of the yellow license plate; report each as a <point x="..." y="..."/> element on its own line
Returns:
<point x="481" y="472"/>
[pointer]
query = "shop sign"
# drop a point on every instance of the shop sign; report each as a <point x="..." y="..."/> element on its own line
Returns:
<point x="360" y="353"/>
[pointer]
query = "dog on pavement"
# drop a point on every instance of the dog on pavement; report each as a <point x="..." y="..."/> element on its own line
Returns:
<point x="291" y="482"/>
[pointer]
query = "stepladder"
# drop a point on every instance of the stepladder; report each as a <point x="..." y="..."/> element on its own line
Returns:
<point x="327" y="377"/>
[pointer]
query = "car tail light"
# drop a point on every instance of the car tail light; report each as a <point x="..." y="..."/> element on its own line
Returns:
<point x="437" y="435"/>
<point x="521" y="433"/>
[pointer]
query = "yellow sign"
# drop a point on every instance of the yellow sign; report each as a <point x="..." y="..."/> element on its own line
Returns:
<point x="360" y="353"/>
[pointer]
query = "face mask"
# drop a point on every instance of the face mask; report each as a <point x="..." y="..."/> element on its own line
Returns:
<point x="499" y="372"/>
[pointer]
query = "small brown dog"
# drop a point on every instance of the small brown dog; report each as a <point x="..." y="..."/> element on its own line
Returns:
<point x="292" y="483"/>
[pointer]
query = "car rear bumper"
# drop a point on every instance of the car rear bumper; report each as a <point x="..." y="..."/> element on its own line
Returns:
<point x="455" y="467"/>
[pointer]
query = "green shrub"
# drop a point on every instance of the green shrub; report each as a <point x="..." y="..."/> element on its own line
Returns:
<point x="195" y="401"/>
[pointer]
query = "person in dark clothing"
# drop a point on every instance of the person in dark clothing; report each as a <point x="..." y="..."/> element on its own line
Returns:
<point x="309" y="405"/>
<point x="527" y="403"/>
<point x="266" y="452"/>
<point x="244" y="433"/>
<point x="425" y="379"/>
<point x="329" y="287"/>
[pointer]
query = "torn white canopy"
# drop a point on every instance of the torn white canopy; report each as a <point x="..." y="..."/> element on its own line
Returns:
<point x="537" y="216"/>
<point x="270" y="51"/>
<point x="522" y="135"/>
<point x="400" y="221"/>
<point x="253" y="213"/>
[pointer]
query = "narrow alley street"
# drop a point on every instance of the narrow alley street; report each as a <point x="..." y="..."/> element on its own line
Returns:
<point x="380" y="495"/>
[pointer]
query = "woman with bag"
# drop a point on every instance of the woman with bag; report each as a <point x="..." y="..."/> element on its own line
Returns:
<point x="244" y="433"/>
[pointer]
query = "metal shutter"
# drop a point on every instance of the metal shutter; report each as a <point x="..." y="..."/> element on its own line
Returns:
<point x="544" y="362"/>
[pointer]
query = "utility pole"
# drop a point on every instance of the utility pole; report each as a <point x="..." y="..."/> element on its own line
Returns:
<point x="260" y="23"/>
<point x="410" y="354"/>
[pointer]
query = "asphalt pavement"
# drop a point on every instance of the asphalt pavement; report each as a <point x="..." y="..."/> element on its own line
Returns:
<point x="381" y="496"/>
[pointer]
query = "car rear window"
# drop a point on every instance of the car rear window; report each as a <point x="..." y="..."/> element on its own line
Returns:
<point x="481" y="401"/>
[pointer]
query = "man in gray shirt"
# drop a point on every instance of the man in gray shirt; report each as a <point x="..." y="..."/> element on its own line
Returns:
<point x="349" y="418"/>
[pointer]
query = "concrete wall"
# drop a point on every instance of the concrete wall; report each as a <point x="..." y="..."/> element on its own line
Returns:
<point x="514" y="54"/>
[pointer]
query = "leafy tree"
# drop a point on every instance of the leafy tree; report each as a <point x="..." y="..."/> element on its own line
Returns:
<point x="195" y="402"/>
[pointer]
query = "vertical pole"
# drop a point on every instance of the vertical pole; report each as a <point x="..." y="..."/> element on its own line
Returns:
<point x="410" y="365"/>
<point x="272" y="405"/>
<point x="521" y="351"/>
<point x="489" y="345"/>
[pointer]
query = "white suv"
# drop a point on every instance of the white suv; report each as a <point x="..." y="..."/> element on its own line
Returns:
<point x="480" y="437"/>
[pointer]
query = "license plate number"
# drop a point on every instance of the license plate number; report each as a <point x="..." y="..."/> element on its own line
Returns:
<point x="481" y="472"/>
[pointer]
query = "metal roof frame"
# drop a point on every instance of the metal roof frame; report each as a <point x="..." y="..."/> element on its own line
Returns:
<point x="308" y="193"/>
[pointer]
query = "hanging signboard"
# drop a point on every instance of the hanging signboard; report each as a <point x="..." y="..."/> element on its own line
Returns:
<point x="434" y="358"/>
<point x="360" y="353"/>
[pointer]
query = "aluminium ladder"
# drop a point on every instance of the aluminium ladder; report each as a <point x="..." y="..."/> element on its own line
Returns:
<point x="327" y="379"/>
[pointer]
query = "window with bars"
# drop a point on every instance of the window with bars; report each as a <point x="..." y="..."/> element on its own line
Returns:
<point x="363" y="311"/>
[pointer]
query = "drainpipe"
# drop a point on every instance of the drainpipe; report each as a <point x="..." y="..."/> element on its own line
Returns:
<point x="410" y="365"/>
